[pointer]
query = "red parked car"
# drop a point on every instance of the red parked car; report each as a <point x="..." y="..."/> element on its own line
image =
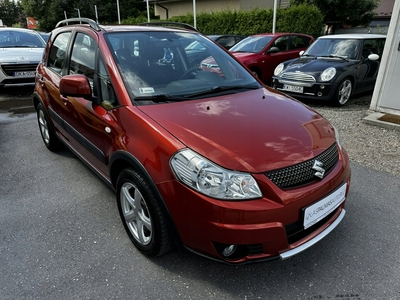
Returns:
<point x="261" y="53"/>
<point x="228" y="168"/>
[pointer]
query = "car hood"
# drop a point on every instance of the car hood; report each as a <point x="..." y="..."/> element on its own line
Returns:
<point x="21" y="55"/>
<point x="312" y="65"/>
<point x="254" y="131"/>
<point x="244" y="55"/>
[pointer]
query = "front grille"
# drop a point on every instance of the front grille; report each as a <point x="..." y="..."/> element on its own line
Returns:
<point x="11" y="68"/>
<point x="255" y="249"/>
<point x="303" y="173"/>
<point x="297" y="76"/>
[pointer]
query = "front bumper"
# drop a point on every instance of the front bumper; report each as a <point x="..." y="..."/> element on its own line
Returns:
<point x="317" y="91"/>
<point x="261" y="229"/>
<point x="18" y="74"/>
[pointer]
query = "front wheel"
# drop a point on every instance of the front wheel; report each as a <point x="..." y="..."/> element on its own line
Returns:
<point x="141" y="213"/>
<point x="256" y="72"/>
<point x="343" y="92"/>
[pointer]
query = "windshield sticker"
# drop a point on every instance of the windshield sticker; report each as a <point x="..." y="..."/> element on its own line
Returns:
<point x="146" y="90"/>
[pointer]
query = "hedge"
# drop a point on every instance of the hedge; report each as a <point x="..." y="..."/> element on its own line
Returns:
<point x="297" y="18"/>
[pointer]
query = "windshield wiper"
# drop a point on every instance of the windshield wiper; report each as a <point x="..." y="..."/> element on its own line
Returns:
<point x="158" y="98"/>
<point x="222" y="89"/>
<point x="335" y="56"/>
<point x="310" y="55"/>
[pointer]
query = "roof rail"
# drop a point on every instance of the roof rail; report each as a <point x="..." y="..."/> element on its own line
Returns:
<point x="91" y="23"/>
<point x="172" y="24"/>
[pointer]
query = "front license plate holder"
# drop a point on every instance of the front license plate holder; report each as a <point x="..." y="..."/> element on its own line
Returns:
<point x="319" y="210"/>
<point x="293" y="88"/>
<point x="25" y="74"/>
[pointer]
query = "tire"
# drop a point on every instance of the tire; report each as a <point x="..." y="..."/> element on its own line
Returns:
<point x="343" y="92"/>
<point x="142" y="216"/>
<point x="256" y="72"/>
<point x="49" y="137"/>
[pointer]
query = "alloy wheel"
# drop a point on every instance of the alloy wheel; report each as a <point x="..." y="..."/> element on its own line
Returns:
<point x="136" y="214"/>
<point x="44" y="128"/>
<point x="344" y="91"/>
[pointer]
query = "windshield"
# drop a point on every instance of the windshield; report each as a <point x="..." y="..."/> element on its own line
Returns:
<point x="16" y="38"/>
<point x="162" y="66"/>
<point x="344" y="48"/>
<point x="252" y="44"/>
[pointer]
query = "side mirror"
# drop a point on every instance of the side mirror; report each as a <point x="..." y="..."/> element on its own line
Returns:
<point x="75" y="86"/>
<point x="273" y="50"/>
<point x="373" y="57"/>
<point x="301" y="52"/>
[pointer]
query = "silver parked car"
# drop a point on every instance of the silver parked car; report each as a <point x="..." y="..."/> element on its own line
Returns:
<point x="21" y="50"/>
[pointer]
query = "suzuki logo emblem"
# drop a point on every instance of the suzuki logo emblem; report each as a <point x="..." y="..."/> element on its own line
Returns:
<point x="318" y="167"/>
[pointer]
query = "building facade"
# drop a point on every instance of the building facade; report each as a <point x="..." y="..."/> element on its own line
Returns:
<point x="166" y="9"/>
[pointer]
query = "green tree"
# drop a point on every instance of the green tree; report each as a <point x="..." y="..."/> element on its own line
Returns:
<point x="10" y="12"/>
<point x="49" y="12"/>
<point x="344" y="12"/>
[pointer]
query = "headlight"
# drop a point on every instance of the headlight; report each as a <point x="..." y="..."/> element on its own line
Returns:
<point x="207" y="178"/>
<point x="328" y="74"/>
<point x="337" y="137"/>
<point x="278" y="70"/>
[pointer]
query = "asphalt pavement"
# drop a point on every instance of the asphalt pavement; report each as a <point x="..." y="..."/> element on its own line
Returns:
<point x="61" y="238"/>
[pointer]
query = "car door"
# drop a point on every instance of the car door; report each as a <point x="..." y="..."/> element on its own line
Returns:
<point x="272" y="58"/>
<point x="91" y="128"/>
<point x="370" y="68"/>
<point x="50" y="76"/>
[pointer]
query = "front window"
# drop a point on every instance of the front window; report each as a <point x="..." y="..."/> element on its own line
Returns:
<point x="56" y="58"/>
<point x="252" y="44"/>
<point x="344" y="48"/>
<point x="172" y="66"/>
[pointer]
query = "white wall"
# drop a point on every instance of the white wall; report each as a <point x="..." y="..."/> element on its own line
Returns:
<point x="386" y="96"/>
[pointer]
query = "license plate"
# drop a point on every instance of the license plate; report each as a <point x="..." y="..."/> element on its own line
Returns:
<point x="316" y="212"/>
<point x="24" y="74"/>
<point x="293" y="88"/>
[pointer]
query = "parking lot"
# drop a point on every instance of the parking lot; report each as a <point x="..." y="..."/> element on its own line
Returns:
<point x="62" y="238"/>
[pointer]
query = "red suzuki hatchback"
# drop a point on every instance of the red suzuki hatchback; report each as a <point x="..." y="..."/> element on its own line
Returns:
<point x="215" y="162"/>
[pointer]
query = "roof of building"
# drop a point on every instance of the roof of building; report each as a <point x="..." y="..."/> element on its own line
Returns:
<point x="385" y="8"/>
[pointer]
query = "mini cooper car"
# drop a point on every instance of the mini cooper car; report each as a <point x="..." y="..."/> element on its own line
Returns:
<point x="261" y="53"/>
<point x="21" y="50"/>
<point x="216" y="163"/>
<point x="333" y="68"/>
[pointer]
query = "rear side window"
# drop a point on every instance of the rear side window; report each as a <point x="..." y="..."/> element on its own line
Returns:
<point x="56" y="60"/>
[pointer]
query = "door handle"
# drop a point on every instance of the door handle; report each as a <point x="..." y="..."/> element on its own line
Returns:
<point x="64" y="99"/>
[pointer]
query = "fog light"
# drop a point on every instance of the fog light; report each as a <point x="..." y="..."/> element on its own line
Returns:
<point x="228" y="251"/>
<point x="321" y="86"/>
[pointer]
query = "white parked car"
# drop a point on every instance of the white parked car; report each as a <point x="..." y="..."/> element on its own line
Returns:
<point x="21" y="50"/>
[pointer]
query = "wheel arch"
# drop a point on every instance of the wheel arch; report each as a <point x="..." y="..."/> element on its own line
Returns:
<point x="344" y="76"/>
<point x="255" y="68"/>
<point x="36" y="99"/>
<point x="121" y="160"/>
